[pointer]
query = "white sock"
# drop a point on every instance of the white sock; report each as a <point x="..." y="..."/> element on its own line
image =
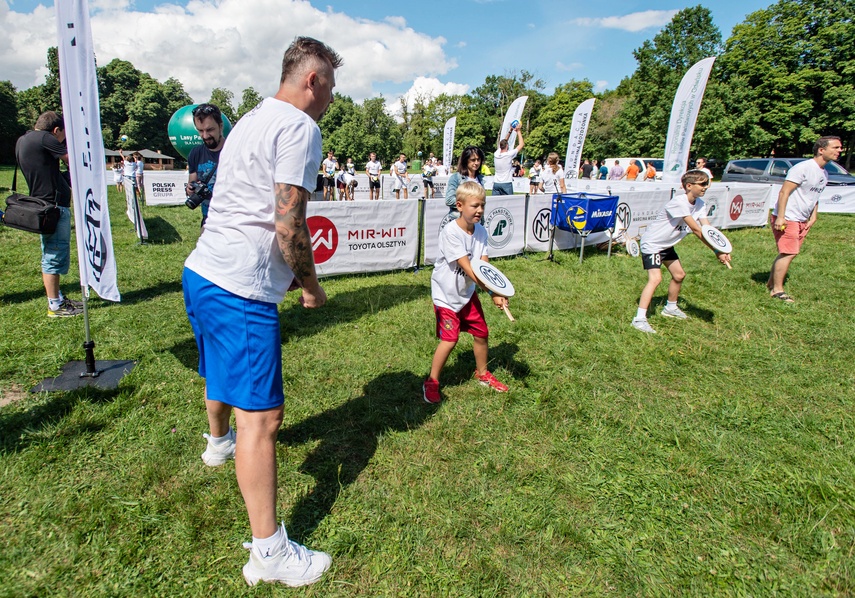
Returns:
<point x="54" y="304"/>
<point x="267" y="547"/>
<point x="641" y="314"/>
<point x="670" y="304"/>
<point x="217" y="440"/>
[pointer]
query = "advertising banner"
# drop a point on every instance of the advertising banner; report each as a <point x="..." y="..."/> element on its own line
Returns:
<point x="86" y="159"/>
<point x="514" y="112"/>
<point x="684" y="114"/>
<point x="448" y="141"/>
<point x="578" y="131"/>
<point x="746" y="205"/>
<point x="415" y="188"/>
<point x="839" y="199"/>
<point x="165" y="188"/>
<point x="504" y="219"/>
<point x="363" y="236"/>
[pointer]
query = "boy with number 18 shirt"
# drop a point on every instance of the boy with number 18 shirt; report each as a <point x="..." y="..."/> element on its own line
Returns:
<point x="678" y="218"/>
<point x="456" y="305"/>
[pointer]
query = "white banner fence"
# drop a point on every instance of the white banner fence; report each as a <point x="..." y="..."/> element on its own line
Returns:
<point x="375" y="236"/>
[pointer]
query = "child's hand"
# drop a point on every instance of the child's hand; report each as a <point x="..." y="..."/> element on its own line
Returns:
<point x="724" y="258"/>
<point x="500" y="302"/>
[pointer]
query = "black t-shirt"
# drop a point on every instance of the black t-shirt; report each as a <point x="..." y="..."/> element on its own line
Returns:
<point x="587" y="169"/>
<point x="203" y="161"/>
<point x="38" y="154"/>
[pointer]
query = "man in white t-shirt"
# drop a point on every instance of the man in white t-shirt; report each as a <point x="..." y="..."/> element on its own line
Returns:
<point x="701" y="164"/>
<point x="795" y="212"/>
<point x="254" y="247"/>
<point x="329" y="167"/>
<point x="400" y="178"/>
<point x="372" y="169"/>
<point x="503" y="160"/>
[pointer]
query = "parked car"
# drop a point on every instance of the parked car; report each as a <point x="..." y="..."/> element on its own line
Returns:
<point x="658" y="164"/>
<point x="774" y="170"/>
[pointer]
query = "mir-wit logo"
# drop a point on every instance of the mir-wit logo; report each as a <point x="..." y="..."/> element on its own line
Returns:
<point x="736" y="207"/>
<point x="324" y="237"/>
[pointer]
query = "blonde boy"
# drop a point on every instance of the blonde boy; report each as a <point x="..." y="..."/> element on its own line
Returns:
<point x="678" y="218"/>
<point x="453" y="283"/>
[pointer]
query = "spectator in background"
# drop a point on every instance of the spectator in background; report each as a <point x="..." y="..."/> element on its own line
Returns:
<point x="503" y="183"/>
<point x="428" y="172"/>
<point x="650" y="173"/>
<point x="587" y="169"/>
<point x="553" y="176"/>
<point x="329" y="166"/>
<point x="632" y="171"/>
<point x="701" y="164"/>
<point x="39" y="153"/>
<point x="400" y="178"/>
<point x="534" y="174"/>
<point x="604" y="171"/>
<point x="139" y="165"/>
<point x="468" y="169"/>
<point x="617" y="172"/>
<point x="372" y="169"/>
<point x="118" y="175"/>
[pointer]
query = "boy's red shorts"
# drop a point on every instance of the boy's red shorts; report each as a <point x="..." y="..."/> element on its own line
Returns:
<point x="470" y="319"/>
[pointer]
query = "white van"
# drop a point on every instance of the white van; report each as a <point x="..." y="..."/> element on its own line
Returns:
<point x="658" y="164"/>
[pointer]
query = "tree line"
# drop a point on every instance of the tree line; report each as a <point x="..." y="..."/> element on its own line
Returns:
<point x="784" y="77"/>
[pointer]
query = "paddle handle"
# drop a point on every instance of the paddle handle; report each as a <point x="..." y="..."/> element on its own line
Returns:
<point x="729" y="267"/>
<point x="508" y="313"/>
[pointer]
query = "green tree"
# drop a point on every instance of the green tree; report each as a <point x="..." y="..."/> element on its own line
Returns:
<point x="176" y="97"/>
<point x="10" y="130"/>
<point x="642" y="124"/>
<point x="249" y="100"/>
<point x="148" y="117"/>
<point x="118" y="83"/>
<point x="552" y="125"/>
<point x="222" y="98"/>
<point x="796" y="61"/>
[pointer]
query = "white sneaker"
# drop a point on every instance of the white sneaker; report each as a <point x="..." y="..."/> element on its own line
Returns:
<point x="292" y="564"/>
<point x="217" y="454"/>
<point x="674" y="312"/>
<point x="643" y="325"/>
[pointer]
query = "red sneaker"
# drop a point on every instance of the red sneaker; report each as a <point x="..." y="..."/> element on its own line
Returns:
<point x="431" y="391"/>
<point x="489" y="379"/>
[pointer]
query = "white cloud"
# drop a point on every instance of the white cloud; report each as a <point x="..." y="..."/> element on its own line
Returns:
<point x="573" y="66"/>
<point x="227" y="43"/>
<point x="461" y="44"/>
<point x="425" y="89"/>
<point x="633" y="22"/>
<point x="600" y="85"/>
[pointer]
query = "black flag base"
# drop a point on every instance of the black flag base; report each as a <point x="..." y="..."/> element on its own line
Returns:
<point x="106" y="376"/>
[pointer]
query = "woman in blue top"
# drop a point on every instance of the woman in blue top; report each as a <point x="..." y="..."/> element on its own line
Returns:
<point x="468" y="169"/>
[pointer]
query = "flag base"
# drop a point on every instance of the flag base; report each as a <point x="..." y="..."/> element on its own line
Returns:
<point x="75" y="375"/>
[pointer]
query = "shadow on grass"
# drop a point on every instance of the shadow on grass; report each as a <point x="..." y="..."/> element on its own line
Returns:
<point x="20" y="427"/>
<point x="142" y="295"/>
<point x="297" y="321"/>
<point x="500" y="356"/>
<point x="348" y="438"/>
<point x="161" y="232"/>
<point x="763" y="277"/>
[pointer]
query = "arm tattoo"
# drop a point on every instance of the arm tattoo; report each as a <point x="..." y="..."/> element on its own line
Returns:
<point x="292" y="232"/>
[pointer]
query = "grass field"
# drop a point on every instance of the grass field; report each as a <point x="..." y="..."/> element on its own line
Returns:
<point x="714" y="458"/>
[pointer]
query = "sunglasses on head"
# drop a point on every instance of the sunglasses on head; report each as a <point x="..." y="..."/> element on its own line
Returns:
<point x="204" y="110"/>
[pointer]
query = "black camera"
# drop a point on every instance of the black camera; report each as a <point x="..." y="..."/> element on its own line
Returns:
<point x="199" y="192"/>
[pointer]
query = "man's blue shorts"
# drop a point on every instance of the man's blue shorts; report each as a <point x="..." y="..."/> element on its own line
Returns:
<point x="240" y="347"/>
<point x="56" y="247"/>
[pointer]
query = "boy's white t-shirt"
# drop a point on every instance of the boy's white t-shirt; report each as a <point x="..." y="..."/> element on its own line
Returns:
<point x="811" y="179"/>
<point x="550" y="179"/>
<point x="669" y="227"/>
<point x="237" y="250"/>
<point x="449" y="285"/>
<point x="373" y="167"/>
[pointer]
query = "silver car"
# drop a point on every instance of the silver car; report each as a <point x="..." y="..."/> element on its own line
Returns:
<point x="774" y="170"/>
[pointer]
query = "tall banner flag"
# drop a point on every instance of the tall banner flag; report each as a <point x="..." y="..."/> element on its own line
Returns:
<point x="684" y="114"/>
<point x="514" y="112"/>
<point x="448" y="142"/>
<point x="578" y="131"/>
<point x="79" y="86"/>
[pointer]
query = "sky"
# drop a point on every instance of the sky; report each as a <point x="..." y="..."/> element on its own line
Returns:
<point x="394" y="49"/>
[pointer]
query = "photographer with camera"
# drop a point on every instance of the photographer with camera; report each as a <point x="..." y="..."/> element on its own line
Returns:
<point x="203" y="159"/>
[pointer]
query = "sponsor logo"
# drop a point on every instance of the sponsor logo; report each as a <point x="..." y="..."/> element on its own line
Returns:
<point x="492" y="276"/>
<point x="376" y="238"/>
<point x="445" y="220"/>
<point x="447" y="324"/>
<point x="623" y="218"/>
<point x="578" y="218"/>
<point x="96" y="245"/>
<point x="500" y="227"/>
<point x="836" y="198"/>
<point x="324" y="238"/>
<point x="736" y="207"/>
<point x="712" y="208"/>
<point x="540" y="227"/>
<point x="716" y="238"/>
<point x="601" y="214"/>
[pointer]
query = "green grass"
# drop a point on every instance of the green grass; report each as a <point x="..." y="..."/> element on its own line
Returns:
<point x="714" y="458"/>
